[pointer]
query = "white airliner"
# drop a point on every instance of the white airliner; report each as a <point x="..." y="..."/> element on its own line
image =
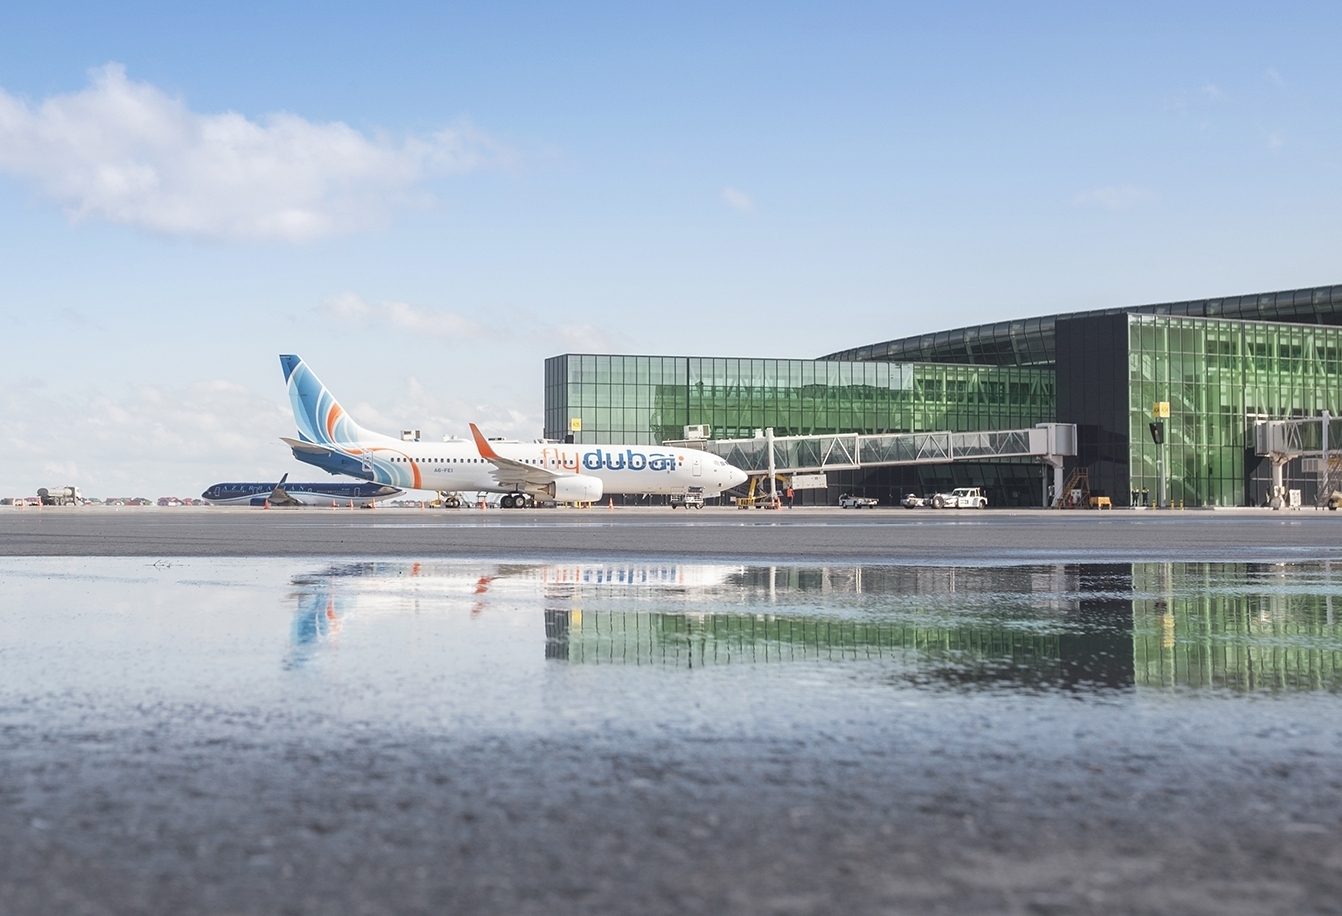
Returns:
<point x="330" y="439"/>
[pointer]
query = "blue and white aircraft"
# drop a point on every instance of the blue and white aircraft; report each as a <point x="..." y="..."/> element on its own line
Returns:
<point x="281" y="494"/>
<point x="329" y="438"/>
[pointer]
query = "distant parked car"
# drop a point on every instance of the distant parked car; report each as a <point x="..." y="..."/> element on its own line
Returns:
<point x="848" y="501"/>
<point x="961" y="498"/>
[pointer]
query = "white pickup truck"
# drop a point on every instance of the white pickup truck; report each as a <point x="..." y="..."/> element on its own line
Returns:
<point x="961" y="498"/>
<point x="848" y="501"/>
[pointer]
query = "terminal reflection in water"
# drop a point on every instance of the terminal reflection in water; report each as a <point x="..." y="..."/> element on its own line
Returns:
<point x="1239" y="627"/>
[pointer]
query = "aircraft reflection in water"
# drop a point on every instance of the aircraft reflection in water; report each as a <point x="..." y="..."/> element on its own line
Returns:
<point x="1222" y="626"/>
<point x="325" y="600"/>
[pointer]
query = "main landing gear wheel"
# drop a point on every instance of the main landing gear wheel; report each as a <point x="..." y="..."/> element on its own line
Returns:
<point x="510" y="502"/>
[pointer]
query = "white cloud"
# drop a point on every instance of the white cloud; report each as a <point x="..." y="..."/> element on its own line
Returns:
<point x="1274" y="76"/>
<point x="128" y="153"/>
<point x="582" y="338"/>
<point x="150" y="441"/>
<point x="161" y="440"/>
<point x="350" y="308"/>
<point x="1121" y="197"/>
<point x="738" y="200"/>
<point x="420" y="408"/>
<point x="1275" y="140"/>
<point x="1214" y="92"/>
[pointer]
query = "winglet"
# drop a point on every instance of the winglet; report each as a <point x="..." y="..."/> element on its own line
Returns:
<point x="482" y="444"/>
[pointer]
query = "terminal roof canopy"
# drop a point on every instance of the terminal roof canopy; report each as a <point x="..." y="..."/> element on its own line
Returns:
<point x="1031" y="341"/>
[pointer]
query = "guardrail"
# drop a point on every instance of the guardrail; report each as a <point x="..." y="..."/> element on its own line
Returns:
<point x="767" y="453"/>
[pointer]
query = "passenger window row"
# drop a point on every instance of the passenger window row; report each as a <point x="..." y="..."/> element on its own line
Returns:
<point x="531" y="461"/>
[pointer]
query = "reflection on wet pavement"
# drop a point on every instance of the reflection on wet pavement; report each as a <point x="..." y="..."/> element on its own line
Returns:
<point x="308" y="737"/>
<point x="1239" y="627"/>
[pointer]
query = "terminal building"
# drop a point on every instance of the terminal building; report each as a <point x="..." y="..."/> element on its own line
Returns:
<point x="1220" y="364"/>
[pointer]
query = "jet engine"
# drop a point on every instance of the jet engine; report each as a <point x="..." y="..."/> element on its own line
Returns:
<point x="580" y="488"/>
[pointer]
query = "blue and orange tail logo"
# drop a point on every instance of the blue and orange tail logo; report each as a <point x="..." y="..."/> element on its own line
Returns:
<point x="319" y="416"/>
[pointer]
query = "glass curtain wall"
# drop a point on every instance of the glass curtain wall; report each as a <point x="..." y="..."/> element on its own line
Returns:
<point x="1219" y="376"/>
<point x="649" y="399"/>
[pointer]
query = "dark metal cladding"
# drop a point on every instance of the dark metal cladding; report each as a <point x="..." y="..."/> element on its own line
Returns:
<point x="1031" y="341"/>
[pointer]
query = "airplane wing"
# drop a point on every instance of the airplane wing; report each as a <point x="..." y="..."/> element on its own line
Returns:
<point x="509" y="472"/>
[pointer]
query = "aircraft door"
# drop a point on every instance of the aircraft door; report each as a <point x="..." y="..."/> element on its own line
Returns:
<point x="697" y="468"/>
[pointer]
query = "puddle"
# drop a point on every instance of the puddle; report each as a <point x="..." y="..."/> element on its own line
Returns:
<point x="534" y="647"/>
<point x="256" y="726"/>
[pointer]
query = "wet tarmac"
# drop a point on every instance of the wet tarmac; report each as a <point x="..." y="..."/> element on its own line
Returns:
<point x="314" y="736"/>
<point x="653" y="534"/>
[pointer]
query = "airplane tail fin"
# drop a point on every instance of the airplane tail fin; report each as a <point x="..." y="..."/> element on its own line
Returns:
<point x="319" y="416"/>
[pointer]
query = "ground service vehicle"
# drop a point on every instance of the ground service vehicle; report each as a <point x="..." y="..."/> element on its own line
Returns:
<point x="691" y="499"/>
<point x="961" y="498"/>
<point x="847" y="501"/>
<point x="913" y="501"/>
<point x="60" y="496"/>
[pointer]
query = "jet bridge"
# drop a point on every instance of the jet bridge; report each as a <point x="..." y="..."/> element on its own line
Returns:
<point x="1318" y="440"/>
<point x="767" y="454"/>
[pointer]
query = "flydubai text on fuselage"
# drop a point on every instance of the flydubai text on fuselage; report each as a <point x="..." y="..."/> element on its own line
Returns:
<point x="330" y="439"/>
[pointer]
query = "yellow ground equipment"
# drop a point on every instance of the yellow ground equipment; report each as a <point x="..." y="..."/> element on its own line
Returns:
<point x="754" y="500"/>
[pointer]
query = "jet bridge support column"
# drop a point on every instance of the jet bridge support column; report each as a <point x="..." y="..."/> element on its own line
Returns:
<point x="1278" y="499"/>
<point x="1054" y="462"/>
<point x="1322" y="493"/>
<point x="773" y="467"/>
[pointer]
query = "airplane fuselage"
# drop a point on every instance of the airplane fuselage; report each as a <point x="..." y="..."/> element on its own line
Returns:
<point x="457" y="465"/>
<point x="307" y="494"/>
<point x="330" y="439"/>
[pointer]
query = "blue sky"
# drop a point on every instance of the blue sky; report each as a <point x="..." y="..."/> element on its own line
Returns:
<point x="426" y="201"/>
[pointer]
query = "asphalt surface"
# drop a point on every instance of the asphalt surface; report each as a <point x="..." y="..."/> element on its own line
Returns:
<point x="981" y="811"/>
<point x="159" y="756"/>
<point x="798" y="535"/>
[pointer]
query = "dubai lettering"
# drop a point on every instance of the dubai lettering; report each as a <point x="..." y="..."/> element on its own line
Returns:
<point x="629" y="460"/>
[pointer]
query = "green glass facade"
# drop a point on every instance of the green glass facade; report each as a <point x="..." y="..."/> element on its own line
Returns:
<point x="1219" y="377"/>
<point x="649" y="399"/>
<point x="1278" y="357"/>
